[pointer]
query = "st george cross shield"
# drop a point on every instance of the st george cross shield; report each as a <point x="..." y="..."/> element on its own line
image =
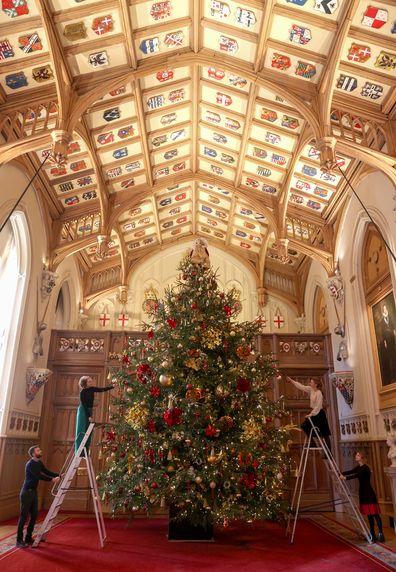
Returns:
<point x="120" y="153"/>
<point x="359" y="53"/>
<point x="125" y="132"/>
<point x="300" y="35"/>
<point x="30" y="43"/>
<point x="102" y="25"/>
<point x="105" y="138"/>
<point x="98" y="59"/>
<point x="6" y="50"/>
<point x="164" y="75"/>
<point x="314" y="153"/>
<point x="174" y="38"/>
<point x="14" y="8"/>
<point x="375" y="17"/>
<point x="326" y="6"/>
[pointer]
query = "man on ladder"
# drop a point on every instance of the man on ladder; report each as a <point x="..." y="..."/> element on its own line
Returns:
<point x="69" y="469"/>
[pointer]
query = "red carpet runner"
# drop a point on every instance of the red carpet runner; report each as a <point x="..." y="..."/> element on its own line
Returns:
<point x="142" y="546"/>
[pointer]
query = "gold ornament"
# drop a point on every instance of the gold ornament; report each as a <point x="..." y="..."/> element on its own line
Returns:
<point x="137" y="416"/>
<point x="212" y="338"/>
<point x="131" y="458"/>
<point x="222" y="391"/>
<point x="165" y="380"/>
<point x="195" y="394"/>
<point x="243" y="352"/>
<point x="192" y="364"/>
<point x="251" y="430"/>
<point x="226" y="422"/>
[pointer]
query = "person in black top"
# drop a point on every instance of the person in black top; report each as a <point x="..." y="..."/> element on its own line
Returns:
<point x="35" y="471"/>
<point x="84" y="411"/>
<point x="367" y="497"/>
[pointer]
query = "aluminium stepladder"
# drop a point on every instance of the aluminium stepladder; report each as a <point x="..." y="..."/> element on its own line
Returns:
<point x="69" y="470"/>
<point x="339" y="487"/>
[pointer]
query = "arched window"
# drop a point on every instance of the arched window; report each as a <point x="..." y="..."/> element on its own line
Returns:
<point x="14" y="272"/>
<point x="380" y="300"/>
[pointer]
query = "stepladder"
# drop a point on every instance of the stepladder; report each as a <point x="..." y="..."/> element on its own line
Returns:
<point x="72" y="463"/>
<point x="341" y="493"/>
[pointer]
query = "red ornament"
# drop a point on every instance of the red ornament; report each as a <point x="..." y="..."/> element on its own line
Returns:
<point x="210" y="431"/>
<point x="125" y="359"/>
<point x="243" y="385"/>
<point x="151" y="428"/>
<point x="155" y="391"/>
<point x="172" y="323"/>
<point x="249" y="481"/>
<point x="150" y="334"/>
<point x="143" y="372"/>
<point x="173" y="416"/>
<point x="228" y="310"/>
<point x="194" y="306"/>
<point x="110" y="435"/>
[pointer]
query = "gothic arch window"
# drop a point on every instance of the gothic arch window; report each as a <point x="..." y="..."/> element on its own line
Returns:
<point x="320" y="322"/>
<point x="380" y="300"/>
<point x="14" y="275"/>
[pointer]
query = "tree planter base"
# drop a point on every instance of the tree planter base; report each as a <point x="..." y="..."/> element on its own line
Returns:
<point x="184" y="531"/>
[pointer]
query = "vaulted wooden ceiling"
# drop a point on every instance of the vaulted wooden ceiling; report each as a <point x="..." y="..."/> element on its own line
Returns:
<point x="197" y="118"/>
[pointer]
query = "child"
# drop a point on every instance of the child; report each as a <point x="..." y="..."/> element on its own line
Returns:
<point x="367" y="497"/>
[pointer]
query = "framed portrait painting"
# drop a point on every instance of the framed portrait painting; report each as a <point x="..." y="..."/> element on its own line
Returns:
<point x="384" y="318"/>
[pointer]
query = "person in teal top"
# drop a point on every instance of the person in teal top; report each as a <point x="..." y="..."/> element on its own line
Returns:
<point x="84" y="411"/>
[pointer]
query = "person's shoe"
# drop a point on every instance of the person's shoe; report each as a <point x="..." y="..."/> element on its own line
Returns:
<point x="381" y="537"/>
<point x="29" y="541"/>
<point x="373" y="537"/>
<point x="21" y="544"/>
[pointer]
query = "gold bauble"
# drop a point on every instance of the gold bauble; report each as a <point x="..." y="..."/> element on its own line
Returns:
<point x="198" y="480"/>
<point x="165" y="380"/>
<point x="137" y="416"/>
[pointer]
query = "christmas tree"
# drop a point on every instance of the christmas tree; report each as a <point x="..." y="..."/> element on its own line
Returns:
<point x="193" y="426"/>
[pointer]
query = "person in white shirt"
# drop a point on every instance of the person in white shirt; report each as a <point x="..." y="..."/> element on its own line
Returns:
<point x="317" y="413"/>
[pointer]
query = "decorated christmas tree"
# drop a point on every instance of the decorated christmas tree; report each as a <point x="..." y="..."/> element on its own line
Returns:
<point x="193" y="427"/>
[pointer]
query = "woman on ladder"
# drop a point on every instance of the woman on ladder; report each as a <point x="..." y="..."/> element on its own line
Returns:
<point x="367" y="497"/>
<point x="84" y="411"/>
<point x="317" y="413"/>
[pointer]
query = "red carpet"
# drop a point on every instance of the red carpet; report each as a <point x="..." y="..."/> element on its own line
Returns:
<point x="142" y="546"/>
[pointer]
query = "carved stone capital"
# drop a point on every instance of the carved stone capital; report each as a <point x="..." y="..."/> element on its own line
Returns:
<point x="326" y="146"/>
<point x="103" y="245"/>
<point x="61" y="141"/>
<point x="281" y="246"/>
<point x="123" y="292"/>
<point x="48" y="282"/>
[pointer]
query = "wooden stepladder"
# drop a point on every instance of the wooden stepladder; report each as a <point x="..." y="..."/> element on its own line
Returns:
<point x="341" y="491"/>
<point x="69" y="469"/>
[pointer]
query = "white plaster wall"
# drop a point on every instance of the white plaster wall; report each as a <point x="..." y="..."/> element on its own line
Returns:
<point x="376" y="193"/>
<point x="15" y="181"/>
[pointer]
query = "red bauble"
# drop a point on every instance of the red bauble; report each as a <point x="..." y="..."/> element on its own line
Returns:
<point x="150" y="334"/>
<point x="125" y="359"/>
<point x="228" y="310"/>
<point x="194" y="306"/>
<point x="143" y="372"/>
<point x="172" y="323"/>
<point x="210" y="431"/>
<point x="173" y="416"/>
<point x="151" y="428"/>
<point x="249" y="481"/>
<point x="243" y="385"/>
